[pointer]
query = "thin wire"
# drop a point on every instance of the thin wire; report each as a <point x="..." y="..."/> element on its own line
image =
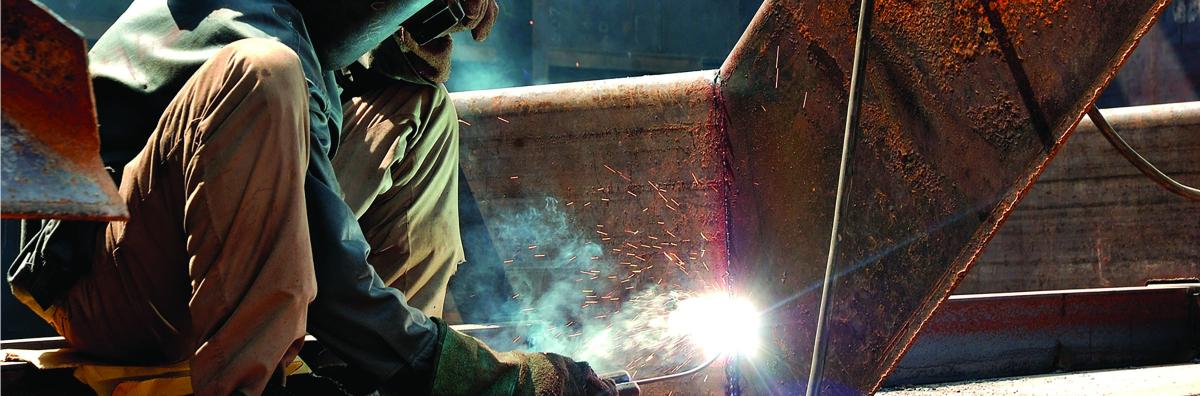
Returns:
<point x="1138" y="161"/>
<point x="866" y="7"/>
<point x="679" y="374"/>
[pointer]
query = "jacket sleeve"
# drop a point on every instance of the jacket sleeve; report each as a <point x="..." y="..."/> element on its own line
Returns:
<point x="367" y="323"/>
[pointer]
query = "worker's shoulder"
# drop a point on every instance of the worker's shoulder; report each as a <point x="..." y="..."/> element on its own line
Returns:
<point x="168" y="34"/>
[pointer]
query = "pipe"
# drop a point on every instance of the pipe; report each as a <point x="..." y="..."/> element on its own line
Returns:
<point x="1137" y="160"/>
<point x="866" y="7"/>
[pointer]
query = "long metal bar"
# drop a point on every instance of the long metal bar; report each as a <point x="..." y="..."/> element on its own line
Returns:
<point x="817" y="368"/>
<point x="1138" y="161"/>
<point x="928" y="213"/>
<point x="920" y="215"/>
<point x="976" y="336"/>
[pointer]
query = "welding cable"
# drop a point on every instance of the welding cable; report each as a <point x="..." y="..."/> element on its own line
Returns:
<point x="1138" y="161"/>
<point x="680" y="374"/>
<point x="816" y="371"/>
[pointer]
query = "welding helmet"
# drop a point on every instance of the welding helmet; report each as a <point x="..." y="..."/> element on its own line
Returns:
<point x="342" y="31"/>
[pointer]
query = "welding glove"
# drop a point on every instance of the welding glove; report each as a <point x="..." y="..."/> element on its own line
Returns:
<point x="466" y="366"/>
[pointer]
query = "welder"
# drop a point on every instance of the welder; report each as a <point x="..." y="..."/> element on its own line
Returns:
<point x="289" y="166"/>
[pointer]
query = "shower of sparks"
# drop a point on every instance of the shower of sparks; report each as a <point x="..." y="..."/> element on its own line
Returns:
<point x="646" y="264"/>
<point x="776" y="68"/>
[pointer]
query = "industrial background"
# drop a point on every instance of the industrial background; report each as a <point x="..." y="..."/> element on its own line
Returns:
<point x="1090" y="221"/>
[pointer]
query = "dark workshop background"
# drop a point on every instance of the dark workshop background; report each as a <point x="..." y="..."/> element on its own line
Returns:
<point x="552" y="41"/>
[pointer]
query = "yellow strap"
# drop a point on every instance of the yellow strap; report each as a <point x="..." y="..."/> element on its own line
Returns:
<point x="177" y="386"/>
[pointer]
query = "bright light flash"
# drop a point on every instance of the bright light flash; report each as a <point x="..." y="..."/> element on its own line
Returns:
<point x="718" y="323"/>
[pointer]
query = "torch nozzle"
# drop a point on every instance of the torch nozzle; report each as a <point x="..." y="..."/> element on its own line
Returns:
<point x="625" y="385"/>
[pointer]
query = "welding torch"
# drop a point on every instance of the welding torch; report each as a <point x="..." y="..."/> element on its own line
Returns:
<point x="733" y="335"/>
<point x="627" y="386"/>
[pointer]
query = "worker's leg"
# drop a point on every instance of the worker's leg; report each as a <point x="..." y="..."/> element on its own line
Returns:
<point x="398" y="167"/>
<point x="215" y="262"/>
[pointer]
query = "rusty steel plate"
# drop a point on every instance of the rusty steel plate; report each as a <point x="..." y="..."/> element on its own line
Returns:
<point x="600" y="197"/>
<point x="51" y="147"/>
<point x="998" y="335"/>
<point x="964" y="105"/>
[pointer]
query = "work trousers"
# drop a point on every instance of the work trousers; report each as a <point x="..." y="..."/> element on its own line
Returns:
<point x="215" y="263"/>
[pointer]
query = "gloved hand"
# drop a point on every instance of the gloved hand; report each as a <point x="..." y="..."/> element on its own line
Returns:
<point x="480" y="17"/>
<point x="465" y="366"/>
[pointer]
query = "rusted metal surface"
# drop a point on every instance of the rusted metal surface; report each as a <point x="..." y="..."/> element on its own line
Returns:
<point x="1092" y="220"/>
<point x="1009" y="334"/>
<point x="1138" y="161"/>
<point x="965" y="103"/>
<point x="636" y="154"/>
<point x="595" y="193"/>
<point x="1171" y="380"/>
<point x="51" y="147"/>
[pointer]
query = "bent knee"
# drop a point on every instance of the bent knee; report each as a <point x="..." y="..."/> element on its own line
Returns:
<point x="265" y="81"/>
<point x="273" y="66"/>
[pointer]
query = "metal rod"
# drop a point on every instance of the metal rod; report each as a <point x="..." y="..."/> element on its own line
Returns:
<point x="1137" y="160"/>
<point x="679" y="374"/>
<point x="815" y="372"/>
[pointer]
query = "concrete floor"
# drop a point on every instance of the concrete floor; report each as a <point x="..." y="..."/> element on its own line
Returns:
<point x="1182" y="379"/>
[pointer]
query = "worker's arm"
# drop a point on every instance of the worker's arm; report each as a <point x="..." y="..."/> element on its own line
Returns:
<point x="355" y="314"/>
<point x="462" y="364"/>
<point x="367" y="324"/>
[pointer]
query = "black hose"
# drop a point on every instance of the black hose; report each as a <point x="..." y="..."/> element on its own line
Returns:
<point x="679" y="374"/>
<point x="1138" y="161"/>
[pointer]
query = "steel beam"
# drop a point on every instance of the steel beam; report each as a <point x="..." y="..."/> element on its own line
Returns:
<point x="964" y="105"/>
<point x="51" y="147"/>
<point x="1092" y="220"/>
<point x="977" y="336"/>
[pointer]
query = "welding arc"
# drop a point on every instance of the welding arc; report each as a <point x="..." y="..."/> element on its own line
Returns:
<point x="817" y="368"/>
<point x="680" y="374"/>
<point x="1137" y="160"/>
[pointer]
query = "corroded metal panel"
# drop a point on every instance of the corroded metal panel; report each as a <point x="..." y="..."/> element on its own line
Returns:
<point x="964" y="104"/>
<point x="1094" y="220"/>
<point x="602" y="199"/>
<point x="51" y="148"/>
<point x="997" y="335"/>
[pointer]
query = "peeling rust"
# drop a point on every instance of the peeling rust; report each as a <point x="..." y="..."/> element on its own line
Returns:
<point x="1029" y="333"/>
<point x="51" y="147"/>
<point x="964" y="105"/>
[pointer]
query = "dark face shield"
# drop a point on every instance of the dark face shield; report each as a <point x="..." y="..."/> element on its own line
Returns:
<point x="342" y="31"/>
